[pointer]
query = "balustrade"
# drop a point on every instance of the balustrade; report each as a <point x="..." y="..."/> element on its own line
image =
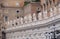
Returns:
<point x="28" y="19"/>
<point x="49" y="16"/>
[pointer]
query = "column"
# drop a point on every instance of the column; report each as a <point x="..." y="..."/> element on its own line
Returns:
<point x="59" y="7"/>
<point x="34" y="17"/>
<point x="30" y="17"/>
<point x="40" y="16"/>
<point x="51" y="12"/>
<point x="45" y="14"/>
<point x="21" y="20"/>
<point x="25" y="19"/>
<point x="55" y="10"/>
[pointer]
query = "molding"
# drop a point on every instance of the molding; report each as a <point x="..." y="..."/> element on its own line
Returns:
<point x="36" y="24"/>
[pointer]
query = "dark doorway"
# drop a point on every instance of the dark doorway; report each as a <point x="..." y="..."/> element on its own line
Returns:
<point x="3" y="35"/>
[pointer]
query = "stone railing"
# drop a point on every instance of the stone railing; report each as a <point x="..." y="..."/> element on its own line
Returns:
<point x="37" y="23"/>
<point x="32" y="24"/>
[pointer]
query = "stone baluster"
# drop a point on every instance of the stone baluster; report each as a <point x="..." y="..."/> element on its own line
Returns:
<point x="34" y="17"/>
